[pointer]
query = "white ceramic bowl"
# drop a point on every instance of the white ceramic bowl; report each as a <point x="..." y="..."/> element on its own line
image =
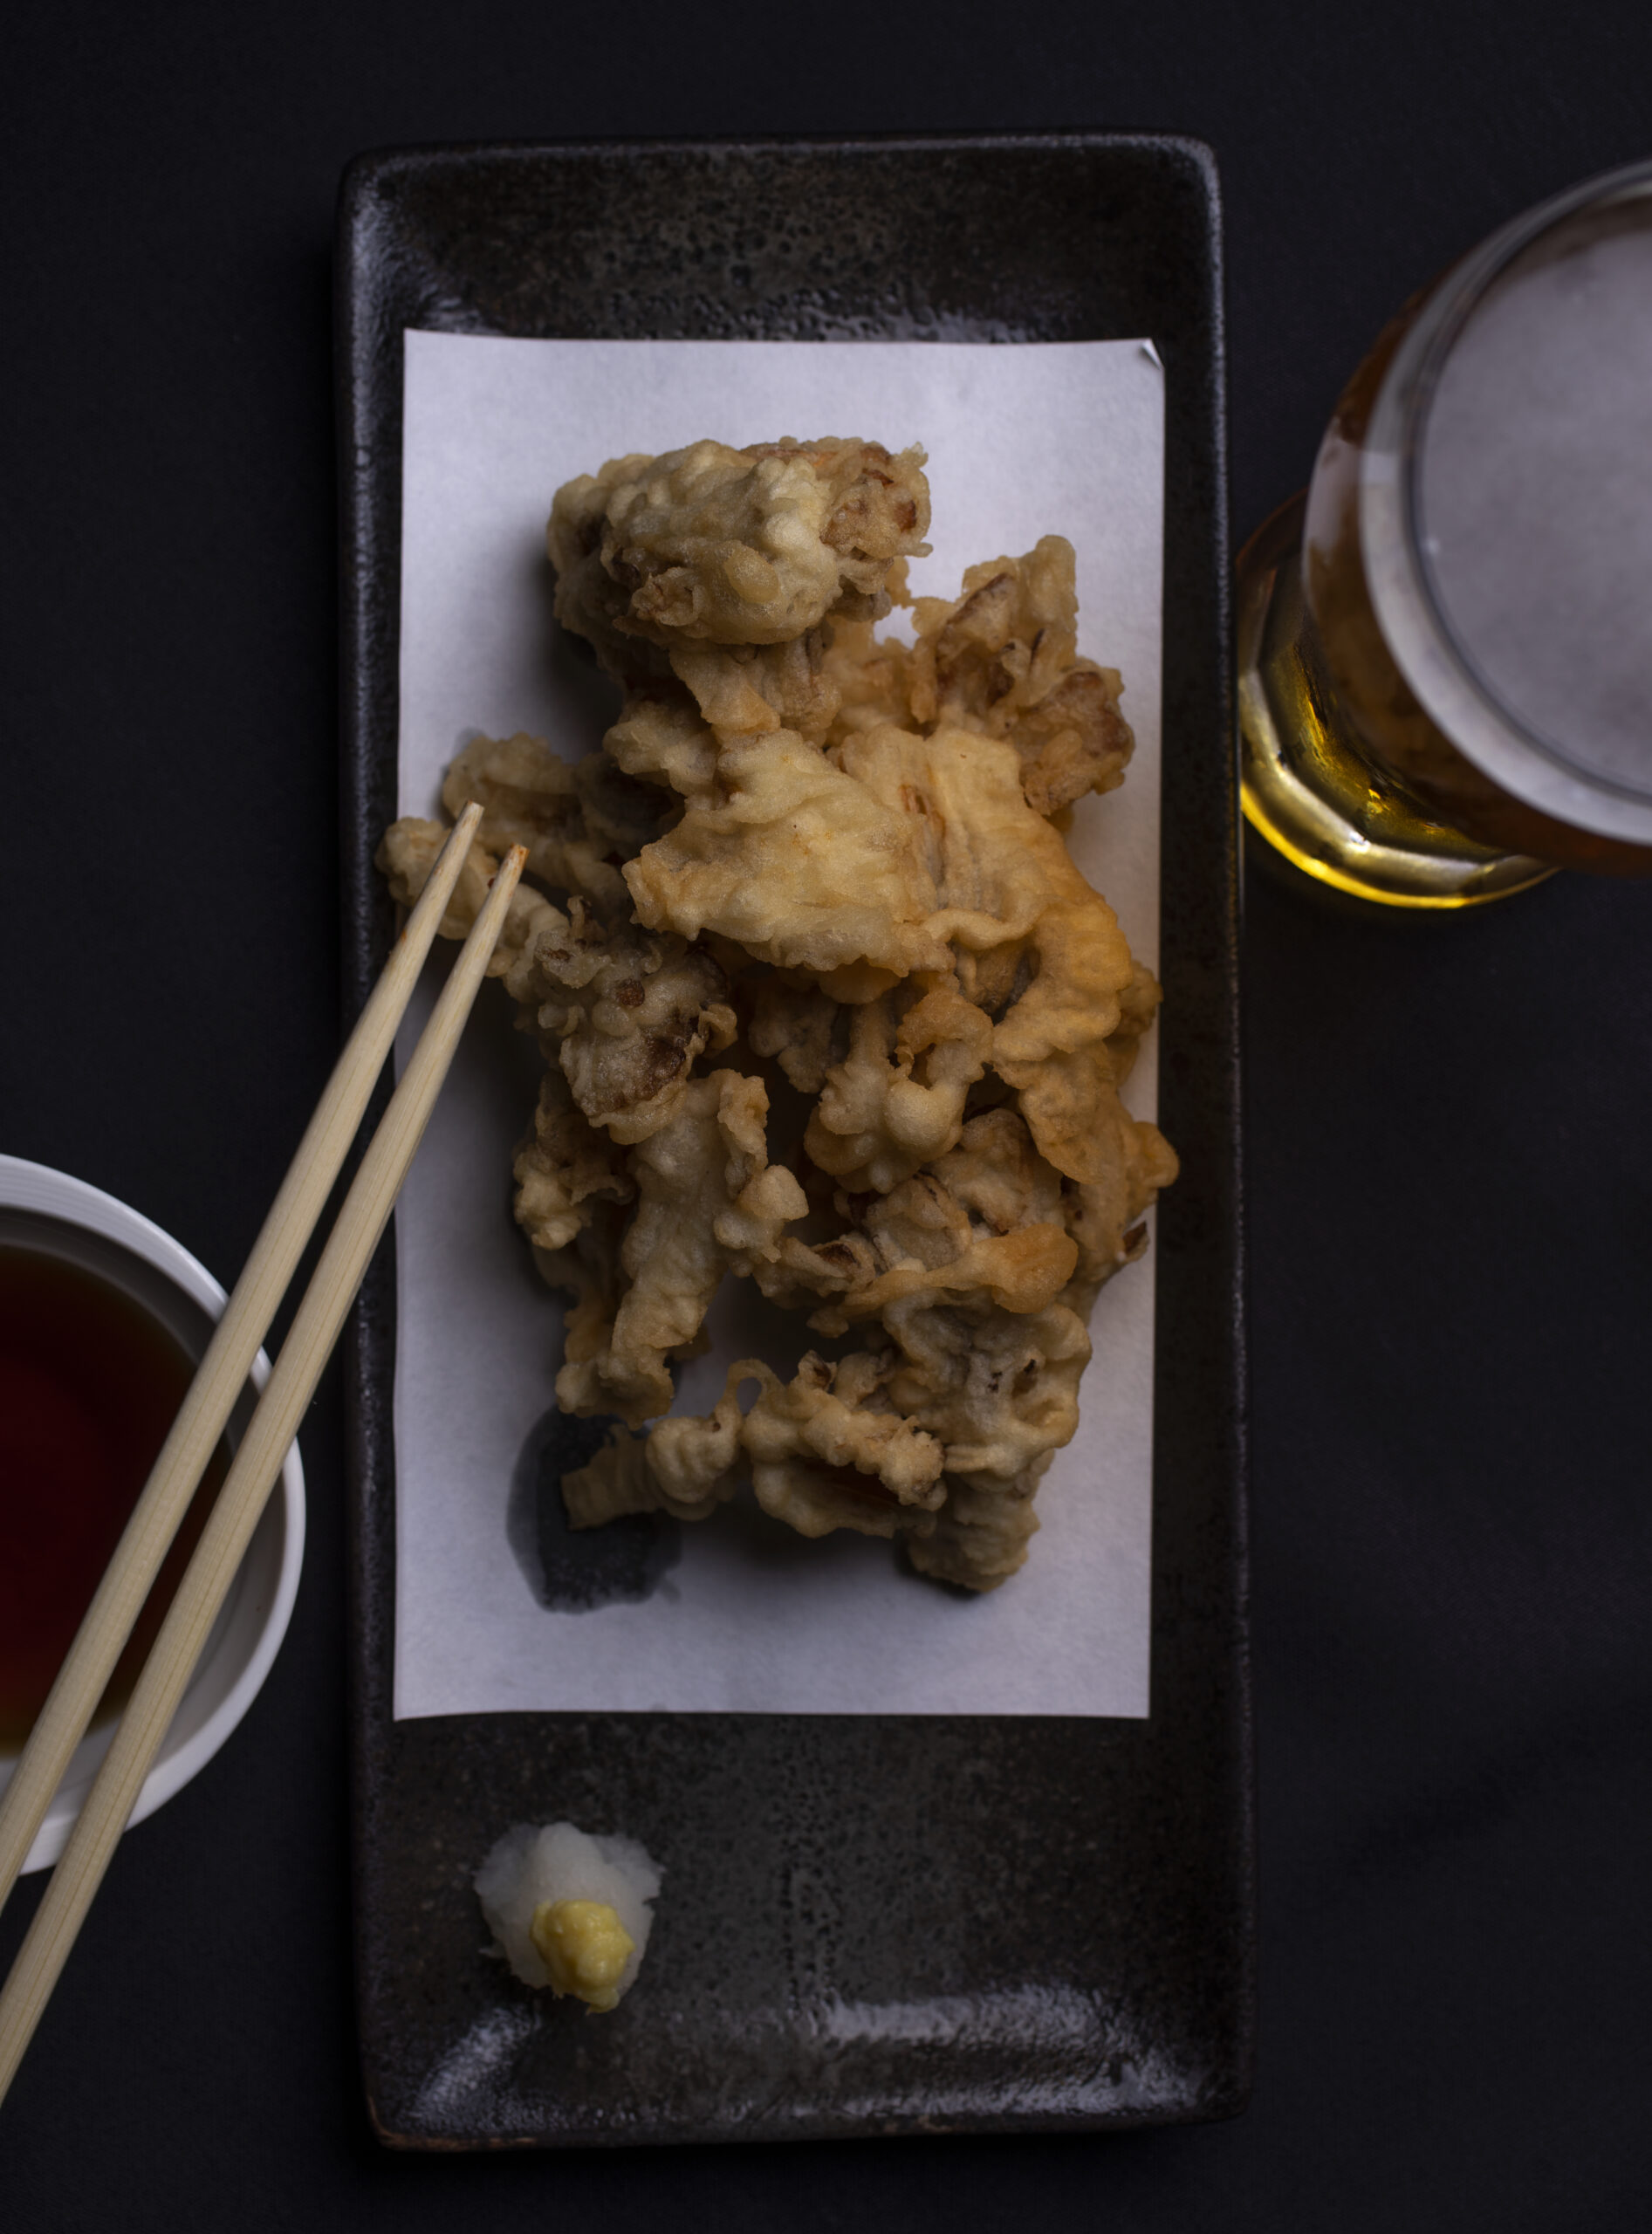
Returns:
<point x="46" y="1210"/>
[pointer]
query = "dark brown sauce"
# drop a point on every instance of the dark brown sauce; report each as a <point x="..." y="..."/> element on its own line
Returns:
<point x="89" y="1385"/>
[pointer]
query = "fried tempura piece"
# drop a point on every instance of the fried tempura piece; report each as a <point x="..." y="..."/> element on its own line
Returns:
<point x="406" y="856"/>
<point x="661" y="736"/>
<point x="797" y="1023"/>
<point x="866" y="674"/>
<point x="896" y="1100"/>
<point x="713" y="545"/>
<point x="823" y="1455"/>
<point x="820" y="1457"/>
<point x="578" y="820"/>
<point x="980" y="1536"/>
<point x="1104" y="1214"/>
<point x="708" y="1202"/>
<point x="800" y="864"/>
<point x="565" y="1168"/>
<point x="1013" y="901"/>
<point x="747" y="689"/>
<point x="1003" y="659"/>
<point x="621" y="811"/>
<point x="530" y="797"/>
<point x="589" y="1268"/>
<point x="626" y="1014"/>
<point x="685" y="1467"/>
<point x="927" y="1241"/>
<point x="665" y="732"/>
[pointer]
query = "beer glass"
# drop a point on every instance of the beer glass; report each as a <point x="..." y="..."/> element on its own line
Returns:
<point x="1445" y="642"/>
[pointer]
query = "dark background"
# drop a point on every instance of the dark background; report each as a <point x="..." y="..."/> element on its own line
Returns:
<point x="1449" y="1210"/>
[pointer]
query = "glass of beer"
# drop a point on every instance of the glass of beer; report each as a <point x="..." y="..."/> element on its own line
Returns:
<point x="1445" y="642"/>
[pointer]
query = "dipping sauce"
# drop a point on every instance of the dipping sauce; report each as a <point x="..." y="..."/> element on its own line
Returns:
<point x="90" y="1383"/>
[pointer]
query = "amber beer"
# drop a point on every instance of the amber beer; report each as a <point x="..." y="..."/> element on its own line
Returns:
<point x="1445" y="647"/>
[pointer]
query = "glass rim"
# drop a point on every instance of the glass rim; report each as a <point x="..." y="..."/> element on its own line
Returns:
<point x="1409" y="611"/>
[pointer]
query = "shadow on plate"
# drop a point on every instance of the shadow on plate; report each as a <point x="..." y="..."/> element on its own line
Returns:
<point x="574" y="1571"/>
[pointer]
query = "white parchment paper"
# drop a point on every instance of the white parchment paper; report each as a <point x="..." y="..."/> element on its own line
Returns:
<point x="1023" y="440"/>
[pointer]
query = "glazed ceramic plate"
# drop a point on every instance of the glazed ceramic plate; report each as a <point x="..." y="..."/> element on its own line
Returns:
<point x="874" y="1923"/>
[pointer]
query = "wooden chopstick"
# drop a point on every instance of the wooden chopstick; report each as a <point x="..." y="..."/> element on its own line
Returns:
<point x="241" y="1501"/>
<point x="221" y="1373"/>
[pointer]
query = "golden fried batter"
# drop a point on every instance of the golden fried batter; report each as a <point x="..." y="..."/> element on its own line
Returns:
<point x="712" y="545"/>
<point x="1003" y="659"/>
<point x="708" y="1202"/>
<point x="626" y="1014"/>
<point x="408" y="854"/>
<point x="798" y="863"/>
<point x="829" y="866"/>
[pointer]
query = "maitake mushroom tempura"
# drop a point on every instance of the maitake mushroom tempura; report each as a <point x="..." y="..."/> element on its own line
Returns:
<point x="824" y="1001"/>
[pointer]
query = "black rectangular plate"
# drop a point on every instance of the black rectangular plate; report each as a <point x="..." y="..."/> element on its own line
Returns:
<point x="871" y="1924"/>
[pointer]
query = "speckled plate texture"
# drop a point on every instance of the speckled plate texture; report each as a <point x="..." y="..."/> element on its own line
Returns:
<point x="871" y="1924"/>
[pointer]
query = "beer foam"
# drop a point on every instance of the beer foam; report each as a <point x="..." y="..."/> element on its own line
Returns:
<point x="1534" y="494"/>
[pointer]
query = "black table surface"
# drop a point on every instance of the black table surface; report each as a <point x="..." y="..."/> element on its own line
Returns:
<point x="1450" y="1218"/>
